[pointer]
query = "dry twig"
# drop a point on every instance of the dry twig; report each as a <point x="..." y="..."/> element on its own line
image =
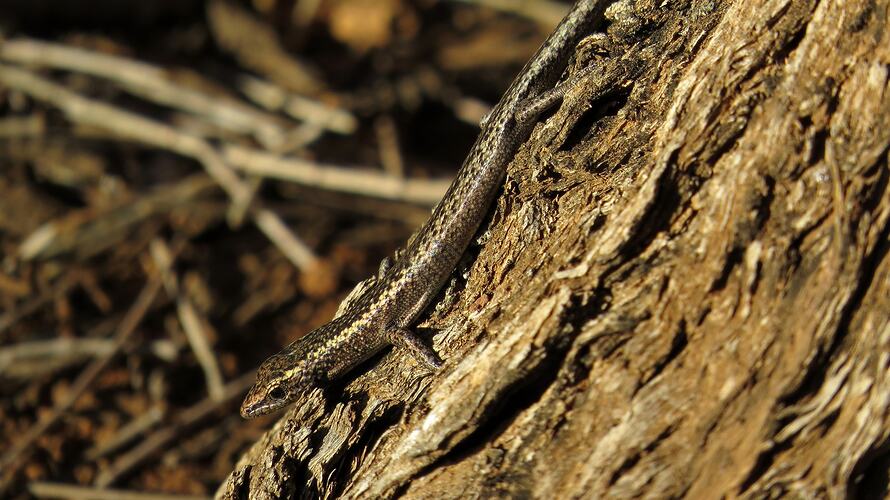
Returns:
<point x="545" y="12"/>
<point x="150" y="83"/>
<point x="59" y="490"/>
<point x="8" y="461"/>
<point x="388" y="144"/>
<point x="61" y="287"/>
<point x="256" y="46"/>
<point x="127" y="433"/>
<point x="365" y="181"/>
<point x="89" y="112"/>
<point x="309" y="111"/>
<point x="26" y="360"/>
<point x="194" y="324"/>
<point x="164" y="436"/>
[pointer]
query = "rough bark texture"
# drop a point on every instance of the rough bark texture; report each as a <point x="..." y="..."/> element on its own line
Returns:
<point x="684" y="290"/>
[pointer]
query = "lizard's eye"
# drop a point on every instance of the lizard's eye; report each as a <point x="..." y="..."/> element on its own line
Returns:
<point x="277" y="393"/>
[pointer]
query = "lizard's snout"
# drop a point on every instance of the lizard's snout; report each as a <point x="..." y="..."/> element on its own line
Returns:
<point x="252" y="406"/>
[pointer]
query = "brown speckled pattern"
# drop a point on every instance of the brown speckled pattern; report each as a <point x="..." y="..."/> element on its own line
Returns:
<point x="396" y="299"/>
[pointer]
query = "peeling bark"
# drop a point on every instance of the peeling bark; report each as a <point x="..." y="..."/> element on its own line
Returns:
<point x="684" y="290"/>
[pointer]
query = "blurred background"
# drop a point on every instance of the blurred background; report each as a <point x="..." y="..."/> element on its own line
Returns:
<point x="187" y="186"/>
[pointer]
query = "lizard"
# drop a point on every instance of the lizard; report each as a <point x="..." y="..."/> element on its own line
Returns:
<point x="382" y="313"/>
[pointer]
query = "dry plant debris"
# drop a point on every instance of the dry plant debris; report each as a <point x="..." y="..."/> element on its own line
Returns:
<point x="184" y="189"/>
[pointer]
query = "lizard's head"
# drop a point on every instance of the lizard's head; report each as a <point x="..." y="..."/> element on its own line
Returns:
<point x="278" y="383"/>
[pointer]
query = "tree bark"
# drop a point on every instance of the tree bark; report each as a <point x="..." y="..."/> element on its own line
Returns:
<point x="684" y="289"/>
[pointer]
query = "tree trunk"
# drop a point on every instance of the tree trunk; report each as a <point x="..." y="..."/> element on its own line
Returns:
<point x="684" y="289"/>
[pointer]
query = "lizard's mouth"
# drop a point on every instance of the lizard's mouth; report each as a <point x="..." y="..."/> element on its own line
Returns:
<point x="256" y="404"/>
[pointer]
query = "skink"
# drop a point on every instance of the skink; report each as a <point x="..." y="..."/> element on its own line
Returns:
<point x="382" y="314"/>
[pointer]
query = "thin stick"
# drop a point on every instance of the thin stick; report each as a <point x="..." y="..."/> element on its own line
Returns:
<point x="102" y="229"/>
<point x="255" y="45"/>
<point x="310" y="111"/>
<point x="238" y="211"/>
<point x="292" y="247"/>
<point x="351" y="180"/>
<point x="126" y="329"/>
<point x="148" y="82"/>
<point x="163" y="437"/>
<point x="59" y="490"/>
<point x="388" y="144"/>
<point x="299" y="138"/>
<point x="304" y="12"/>
<point x="206" y="441"/>
<point x="25" y="360"/>
<point x="60" y="288"/>
<point x="193" y="323"/>
<point x="89" y="112"/>
<point x="545" y="12"/>
<point x="136" y="427"/>
<point x="125" y="124"/>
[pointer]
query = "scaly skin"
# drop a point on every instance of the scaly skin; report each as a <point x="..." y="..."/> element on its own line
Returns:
<point x="382" y="314"/>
